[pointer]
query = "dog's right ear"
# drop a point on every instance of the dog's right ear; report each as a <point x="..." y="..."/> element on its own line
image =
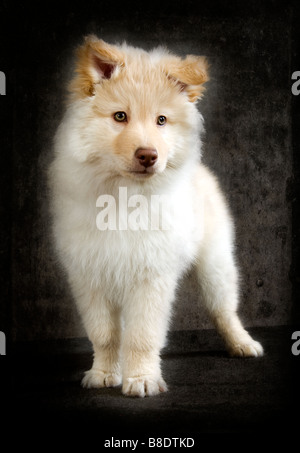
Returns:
<point x="96" y="61"/>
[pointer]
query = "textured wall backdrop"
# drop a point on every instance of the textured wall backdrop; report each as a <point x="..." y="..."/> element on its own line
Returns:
<point x="247" y="111"/>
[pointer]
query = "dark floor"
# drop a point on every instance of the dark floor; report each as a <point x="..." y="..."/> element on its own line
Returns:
<point x="208" y="391"/>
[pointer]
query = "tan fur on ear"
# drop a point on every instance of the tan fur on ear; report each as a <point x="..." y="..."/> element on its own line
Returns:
<point x="191" y="74"/>
<point x="96" y="60"/>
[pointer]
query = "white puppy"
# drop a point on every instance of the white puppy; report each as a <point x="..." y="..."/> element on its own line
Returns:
<point x="129" y="144"/>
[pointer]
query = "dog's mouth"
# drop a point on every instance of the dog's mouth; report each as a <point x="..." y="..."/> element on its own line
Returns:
<point x="137" y="174"/>
<point x="143" y="173"/>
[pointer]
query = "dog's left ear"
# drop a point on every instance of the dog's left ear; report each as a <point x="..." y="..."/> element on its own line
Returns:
<point x="190" y="74"/>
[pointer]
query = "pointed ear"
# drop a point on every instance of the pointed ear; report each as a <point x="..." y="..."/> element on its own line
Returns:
<point x="96" y="61"/>
<point x="190" y="74"/>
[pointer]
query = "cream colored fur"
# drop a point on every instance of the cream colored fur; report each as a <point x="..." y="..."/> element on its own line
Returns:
<point x="124" y="281"/>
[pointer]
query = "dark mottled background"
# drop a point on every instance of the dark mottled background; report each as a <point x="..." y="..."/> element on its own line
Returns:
<point x="251" y="143"/>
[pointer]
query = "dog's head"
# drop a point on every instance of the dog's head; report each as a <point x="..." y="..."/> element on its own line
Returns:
<point x="136" y="109"/>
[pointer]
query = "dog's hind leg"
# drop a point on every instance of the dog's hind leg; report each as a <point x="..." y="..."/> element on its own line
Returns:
<point x="218" y="278"/>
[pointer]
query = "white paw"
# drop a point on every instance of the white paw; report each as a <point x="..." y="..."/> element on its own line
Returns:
<point x="97" y="379"/>
<point x="144" y="386"/>
<point x="249" y="348"/>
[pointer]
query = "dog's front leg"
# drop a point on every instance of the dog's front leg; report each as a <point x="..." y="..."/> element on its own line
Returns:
<point x="102" y="322"/>
<point x="146" y="322"/>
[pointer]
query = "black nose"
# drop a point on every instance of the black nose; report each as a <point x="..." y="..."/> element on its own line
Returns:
<point x="146" y="156"/>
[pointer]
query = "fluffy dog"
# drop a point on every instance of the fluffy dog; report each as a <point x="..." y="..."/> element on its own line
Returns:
<point x="132" y="124"/>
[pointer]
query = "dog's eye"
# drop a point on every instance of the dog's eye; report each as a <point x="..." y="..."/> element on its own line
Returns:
<point x="120" y="117"/>
<point x="161" y="120"/>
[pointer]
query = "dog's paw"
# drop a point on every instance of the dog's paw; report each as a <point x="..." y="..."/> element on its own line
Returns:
<point x="99" y="379"/>
<point x="250" y="348"/>
<point x="143" y="386"/>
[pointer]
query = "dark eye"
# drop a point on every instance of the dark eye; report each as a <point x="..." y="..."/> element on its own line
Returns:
<point x="161" y="120"/>
<point x="120" y="117"/>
